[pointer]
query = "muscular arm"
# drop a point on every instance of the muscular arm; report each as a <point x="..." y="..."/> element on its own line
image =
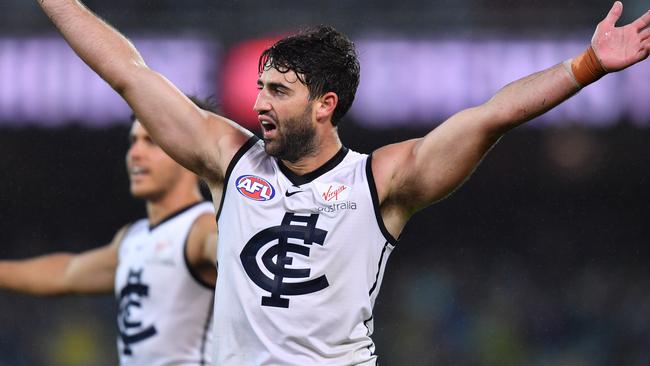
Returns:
<point x="201" y="141"/>
<point x="91" y="272"/>
<point x="413" y="174"/>
<point x="433" y="166"/>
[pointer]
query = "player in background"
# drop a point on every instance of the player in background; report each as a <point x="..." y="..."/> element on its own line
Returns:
<point x="162" y="268"/>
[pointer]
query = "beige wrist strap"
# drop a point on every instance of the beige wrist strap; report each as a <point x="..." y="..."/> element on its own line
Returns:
<point x="586" y="68"/>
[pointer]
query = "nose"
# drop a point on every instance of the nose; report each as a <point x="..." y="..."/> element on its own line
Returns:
<point x="135" y="151"/>
<point x="262" y="104"/>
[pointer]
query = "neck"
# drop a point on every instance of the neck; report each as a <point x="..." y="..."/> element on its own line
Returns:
<point x="161" y="208"/>
<point x="326" y="150"/>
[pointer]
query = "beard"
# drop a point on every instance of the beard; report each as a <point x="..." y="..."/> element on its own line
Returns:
<point x="295" y="139"/>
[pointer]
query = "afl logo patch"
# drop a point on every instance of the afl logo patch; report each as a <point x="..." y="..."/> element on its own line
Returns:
<point x="255" y="188"/>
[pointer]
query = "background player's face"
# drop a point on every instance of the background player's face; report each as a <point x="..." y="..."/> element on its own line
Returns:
<point x="285" y="115"/>
<point x="152" y="172"/>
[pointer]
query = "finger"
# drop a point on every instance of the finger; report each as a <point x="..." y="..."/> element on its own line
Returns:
<point x="643" y="53"/>
<point x="644" y="34"/>
<point x="643" y="21"/>
<point x="614" y="13"/>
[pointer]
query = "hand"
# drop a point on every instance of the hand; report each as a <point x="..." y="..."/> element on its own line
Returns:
<point x="620" y="47"/>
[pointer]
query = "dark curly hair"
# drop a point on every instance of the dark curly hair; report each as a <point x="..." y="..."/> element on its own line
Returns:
<point x="325" y="61"/>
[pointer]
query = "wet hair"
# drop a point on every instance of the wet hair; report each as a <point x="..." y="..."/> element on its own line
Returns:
<point x="203" y="103"/>
<point x="324" y="59"/>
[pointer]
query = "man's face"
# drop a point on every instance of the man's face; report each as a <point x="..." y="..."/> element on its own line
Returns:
<point x="152" y="172"/>
<point x="285" y="115"/>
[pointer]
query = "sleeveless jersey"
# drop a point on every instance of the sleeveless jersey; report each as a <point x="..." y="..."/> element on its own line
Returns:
<point x="165" y="310"/>
<point x="301" y="259"/>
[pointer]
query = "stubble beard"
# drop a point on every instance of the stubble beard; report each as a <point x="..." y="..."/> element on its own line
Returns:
<point x="295" y="140"/>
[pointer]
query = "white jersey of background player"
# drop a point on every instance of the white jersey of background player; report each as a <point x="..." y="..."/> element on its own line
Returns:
<point x="165" y="309"/>
<point x="307" y="83"/>
<point x="161" y="268"/>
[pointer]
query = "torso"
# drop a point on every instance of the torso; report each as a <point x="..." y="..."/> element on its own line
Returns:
<point x="301" y="261"/>
<point x="164" y="309"/>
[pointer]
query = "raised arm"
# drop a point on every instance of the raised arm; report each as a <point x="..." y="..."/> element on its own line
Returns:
<point x="201" y="141"/>
<point x="90" y="272"/>
<point x="416" y="173"/>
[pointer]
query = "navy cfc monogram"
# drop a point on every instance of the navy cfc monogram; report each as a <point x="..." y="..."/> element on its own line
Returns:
<point x="131" y="330"/>
<point x="292" y="227"/>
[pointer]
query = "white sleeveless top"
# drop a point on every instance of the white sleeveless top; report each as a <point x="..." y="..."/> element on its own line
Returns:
<point x="164" y="311"/>
<point x="300" y="260"/>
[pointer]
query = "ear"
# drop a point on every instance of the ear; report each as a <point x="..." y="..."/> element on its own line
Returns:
<point x="326" y="105"/>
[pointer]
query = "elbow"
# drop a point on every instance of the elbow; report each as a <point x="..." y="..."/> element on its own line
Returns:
<point x="127" y="76"/>
<point x="499" y="120"/>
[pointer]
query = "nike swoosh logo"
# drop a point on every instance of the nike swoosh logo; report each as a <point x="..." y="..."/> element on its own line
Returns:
<point x="289" y="194"/>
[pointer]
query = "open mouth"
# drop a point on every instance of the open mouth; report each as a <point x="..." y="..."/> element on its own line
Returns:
<point x="268" y="126"/>
<point x="138" y="171"/>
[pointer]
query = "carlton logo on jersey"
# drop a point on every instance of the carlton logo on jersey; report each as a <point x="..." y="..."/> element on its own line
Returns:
<point x="277" y="257"/>
<point x="131" y="329"/>
<point x="255" y="188"/>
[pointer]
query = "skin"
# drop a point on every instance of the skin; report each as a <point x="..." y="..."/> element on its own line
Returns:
<point x="167" y="187"/>
<point x="409" y="175"/>
<point x="289" y="132"/>
<point x="280" y="99"/>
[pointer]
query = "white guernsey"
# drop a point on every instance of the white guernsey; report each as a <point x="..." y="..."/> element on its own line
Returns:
<point x="165" y="310"/>
<point x="301" y="259"/>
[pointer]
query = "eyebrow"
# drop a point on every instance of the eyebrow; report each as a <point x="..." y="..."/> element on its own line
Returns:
<point x="273" y="85"/>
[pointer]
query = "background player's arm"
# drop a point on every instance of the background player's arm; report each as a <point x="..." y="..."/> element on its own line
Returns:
<point x="202" y="248"/>
<point x="90" y="272"/>
<point x="416" y="173"/>
<point x="199" y="140"/>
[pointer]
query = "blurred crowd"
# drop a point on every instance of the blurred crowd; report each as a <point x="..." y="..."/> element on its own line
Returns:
<point x="232" y="20"/>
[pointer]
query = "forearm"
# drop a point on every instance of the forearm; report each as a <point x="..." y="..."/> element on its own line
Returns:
<point x="175" y="123"/>
<point x="447" y="156"/>
<point x="99" y="45"/>
<point x="42" y="275"/>
<point x="529" y="97"/>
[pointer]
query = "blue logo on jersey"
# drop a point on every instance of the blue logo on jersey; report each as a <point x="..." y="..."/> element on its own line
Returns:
<point x="305" y="230"/>
<point x="131" y="330"/>
<point x="255" y="188"/>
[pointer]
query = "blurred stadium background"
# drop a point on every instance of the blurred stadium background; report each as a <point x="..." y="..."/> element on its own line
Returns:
<point x="541" y="258"/>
